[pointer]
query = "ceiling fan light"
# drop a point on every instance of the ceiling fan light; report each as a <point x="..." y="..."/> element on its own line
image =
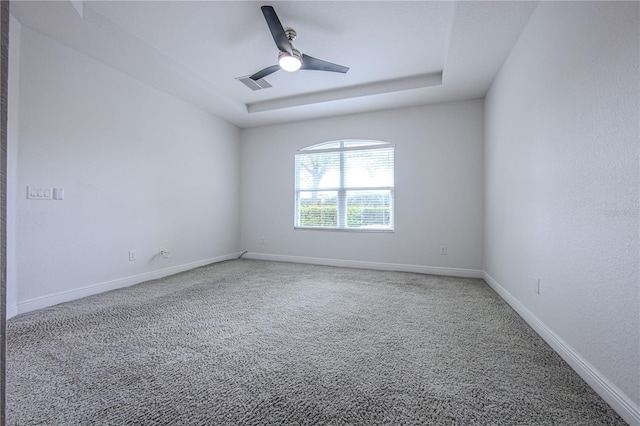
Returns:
<point x="288" y="62"/>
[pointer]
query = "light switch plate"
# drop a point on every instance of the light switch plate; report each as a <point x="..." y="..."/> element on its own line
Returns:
<point x="58" y="193"/>
<point x="38" y="193"/>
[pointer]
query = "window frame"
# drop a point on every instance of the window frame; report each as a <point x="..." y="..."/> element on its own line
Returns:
<point x="342" y="189"/>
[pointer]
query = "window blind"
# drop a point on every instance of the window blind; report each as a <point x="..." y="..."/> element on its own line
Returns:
<point x="345" y="185"/>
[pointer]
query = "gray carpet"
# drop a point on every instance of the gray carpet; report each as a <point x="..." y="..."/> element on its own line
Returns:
<point x="263" y="343"/>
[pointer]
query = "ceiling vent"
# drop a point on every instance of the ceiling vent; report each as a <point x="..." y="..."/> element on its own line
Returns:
<point x="254" y="85"/>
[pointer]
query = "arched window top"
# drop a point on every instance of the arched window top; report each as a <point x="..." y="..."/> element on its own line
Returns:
<point x="347" y="144"/>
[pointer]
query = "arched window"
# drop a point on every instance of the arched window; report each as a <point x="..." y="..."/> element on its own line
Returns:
<point x="346" y="184"/>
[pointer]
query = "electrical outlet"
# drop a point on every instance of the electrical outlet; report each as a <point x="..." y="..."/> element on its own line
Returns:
<point x="443" y="250"/>
<point x="132" y="255"/>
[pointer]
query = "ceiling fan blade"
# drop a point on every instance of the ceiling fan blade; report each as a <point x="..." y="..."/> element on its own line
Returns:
<point x="311" y="63"/>
<point x="277" y="31"/>
<point x="265" y="72"/>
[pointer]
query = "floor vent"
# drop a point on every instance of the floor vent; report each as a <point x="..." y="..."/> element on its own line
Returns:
<point x="254" y="85"/>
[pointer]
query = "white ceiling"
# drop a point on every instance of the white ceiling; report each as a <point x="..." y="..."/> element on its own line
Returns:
<point x="399" y="53"/>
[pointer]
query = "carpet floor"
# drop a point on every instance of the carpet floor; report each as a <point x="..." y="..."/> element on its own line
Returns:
<point x="248" y="342"/>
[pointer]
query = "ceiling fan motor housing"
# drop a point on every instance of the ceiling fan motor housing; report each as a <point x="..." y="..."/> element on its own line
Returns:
<point x="290" y="33"/>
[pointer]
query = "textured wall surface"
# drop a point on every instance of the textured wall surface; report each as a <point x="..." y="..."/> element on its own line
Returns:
<point x="562" y="180"/>
<point x="141" y="171"/>
<point x="438" y="192"/>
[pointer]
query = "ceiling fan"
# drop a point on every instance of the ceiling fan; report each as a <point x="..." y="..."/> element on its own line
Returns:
<point x="289" y="58"/>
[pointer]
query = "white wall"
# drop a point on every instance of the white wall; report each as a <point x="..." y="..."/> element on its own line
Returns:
<point x="140" y="169"/>
<point x="438" y="193"/>
<point x="562" y="182"/>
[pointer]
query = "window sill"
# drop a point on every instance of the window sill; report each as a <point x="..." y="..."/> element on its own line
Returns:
<point x="365" y="230"/>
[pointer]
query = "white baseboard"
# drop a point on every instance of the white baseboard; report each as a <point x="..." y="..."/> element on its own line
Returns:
<point x="433" y="270"/>
<point x="12" y="310"/>
<point x="77" y="293"/>
<point x="618" y="400"/>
